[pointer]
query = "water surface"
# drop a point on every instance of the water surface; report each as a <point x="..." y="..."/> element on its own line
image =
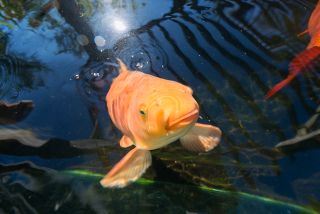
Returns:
<point x="61" y="55"/>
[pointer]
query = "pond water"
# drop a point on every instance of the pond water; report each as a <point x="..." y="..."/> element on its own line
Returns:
<point x="62" y="56"/>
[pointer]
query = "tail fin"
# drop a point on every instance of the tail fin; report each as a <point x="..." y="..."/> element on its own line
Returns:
<point x="279" y="86"/>
<point x="304" y="61"/>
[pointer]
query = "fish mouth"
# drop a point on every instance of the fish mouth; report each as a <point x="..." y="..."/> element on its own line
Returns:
<point x="184" y="120"/>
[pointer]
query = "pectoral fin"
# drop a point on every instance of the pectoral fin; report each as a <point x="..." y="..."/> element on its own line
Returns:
<point x="302" y="33"/>
<point x="128" y="169"/>
<point x="201" y="138"/>
<point x="125" y="142"/>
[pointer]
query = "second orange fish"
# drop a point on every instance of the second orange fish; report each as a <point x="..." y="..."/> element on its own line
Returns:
<point x="307" y="58"/>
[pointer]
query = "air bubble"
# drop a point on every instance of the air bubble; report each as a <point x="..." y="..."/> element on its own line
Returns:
<point x="100" y="41"/>
<point x="82" y="40"/>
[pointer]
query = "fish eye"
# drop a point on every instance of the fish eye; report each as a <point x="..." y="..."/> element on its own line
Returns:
<point x="142" y="110"/>
<point x="143" y="113"/>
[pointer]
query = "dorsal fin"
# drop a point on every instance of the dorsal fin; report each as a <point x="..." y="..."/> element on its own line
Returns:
<point x="123" y="68"/>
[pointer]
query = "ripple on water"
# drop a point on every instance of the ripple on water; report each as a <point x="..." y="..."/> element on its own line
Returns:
<point x="17" y="75"/>
<point x="95" y="79"/>
<point x="9" y="68"/>
<point x="142" y="55"/>
<point x="93" y="83"/>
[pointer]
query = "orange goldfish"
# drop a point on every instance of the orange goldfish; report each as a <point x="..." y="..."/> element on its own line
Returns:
<point x="151" y="113"/>
<point x="306" y="58"/>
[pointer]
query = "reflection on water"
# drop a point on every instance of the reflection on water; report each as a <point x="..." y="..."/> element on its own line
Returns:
<point x="229" y="52"/>
<point x="17" y="75"/>
<point x="26" y="187"/>
<point x="143" y="53"/>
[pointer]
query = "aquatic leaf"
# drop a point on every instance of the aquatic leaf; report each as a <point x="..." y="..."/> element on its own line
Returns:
<point x="216" y="196"/>
<point x="14" y="112"/>
<point x="25" y="137"/>
<point x="19" y="142"/>
<point x="299" y="139"/>
<point x="31" y="188"/>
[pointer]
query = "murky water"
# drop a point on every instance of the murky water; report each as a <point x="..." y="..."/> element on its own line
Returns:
<point x="62" y="56"/>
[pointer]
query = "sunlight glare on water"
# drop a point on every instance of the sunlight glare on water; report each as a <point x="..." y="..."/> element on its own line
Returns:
<point x="119" y="25"/>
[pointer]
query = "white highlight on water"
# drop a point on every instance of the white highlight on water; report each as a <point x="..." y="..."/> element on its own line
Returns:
<point x="119" y="25"/>
<point x="100" y="41"/>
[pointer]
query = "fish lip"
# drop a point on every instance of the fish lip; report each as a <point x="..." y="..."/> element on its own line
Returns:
<point x="184" y="120"/>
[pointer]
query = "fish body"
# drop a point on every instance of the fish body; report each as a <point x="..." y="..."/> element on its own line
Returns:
<point x="151" y="113"/>
<point x="143" y="106"/>
<point x="314" y="22"/>
<point x="308" y="57"/>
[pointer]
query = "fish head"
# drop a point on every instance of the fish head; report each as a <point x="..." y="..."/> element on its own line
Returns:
<point x="165" y="113"/>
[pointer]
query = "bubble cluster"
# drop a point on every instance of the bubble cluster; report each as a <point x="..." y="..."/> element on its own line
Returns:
<point x="146" y="56"/>
<point x="95" y="79"/>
